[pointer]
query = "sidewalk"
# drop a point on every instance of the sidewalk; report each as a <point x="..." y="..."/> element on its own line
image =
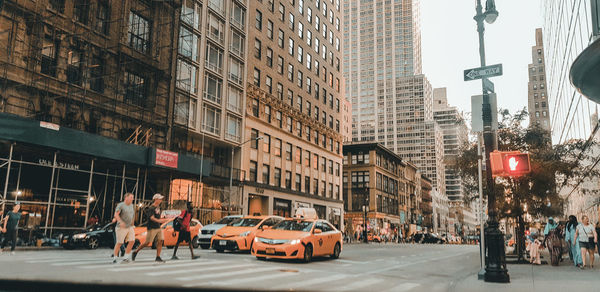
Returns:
<point x="543" y="278"/>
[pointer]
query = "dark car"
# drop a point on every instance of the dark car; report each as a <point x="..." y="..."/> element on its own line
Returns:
<point x="92" y="238"/>
<point x="427" y="238"/>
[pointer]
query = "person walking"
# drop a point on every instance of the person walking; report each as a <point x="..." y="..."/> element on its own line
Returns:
<point x="154" y="232"/>
<point x="573" y="245"/>
<point x="124" y="230"/>
<point x="184" y="232"/>
<point x="586" y="234"/>
<point x="10" y="227"/>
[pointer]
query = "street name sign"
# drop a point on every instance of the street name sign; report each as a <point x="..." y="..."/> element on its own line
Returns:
<point x="483" y="72"/>
<point x="488" y="86"/>
<point x="477" y="112"/>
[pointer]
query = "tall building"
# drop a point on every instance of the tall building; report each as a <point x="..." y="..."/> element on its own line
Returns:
<point x="538" y="107"/>
<point x="88" y="105"/>
<point x="294" y="104"/>
<point x="383" y="43"/>
<point x="572" y="115"/>
<point x="455" y="136"/>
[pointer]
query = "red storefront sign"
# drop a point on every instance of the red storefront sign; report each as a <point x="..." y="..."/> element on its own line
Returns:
<point x="166" y="158"/>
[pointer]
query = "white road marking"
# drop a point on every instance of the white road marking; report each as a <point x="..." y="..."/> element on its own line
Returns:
<point x="404" y="287"/>
<point x="359" y="284"/>
<point x="413" y="263"/>
<point x="224" y="274"/>
<point x="349" y="261"/>
<point x="197" y="270"/>
<point x="311" y="282"/>
<point x="134" y="267"/>
<point x="63" y="259"/>
<point x="259" y="278"/>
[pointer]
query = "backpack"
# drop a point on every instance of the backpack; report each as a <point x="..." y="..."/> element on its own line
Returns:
<point x="178" y="223"/>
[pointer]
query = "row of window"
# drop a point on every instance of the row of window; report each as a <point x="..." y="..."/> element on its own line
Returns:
<point x="357" y="158"/>
<point x="318" y="188"/>
<point x="292" y="153"/>
<point x="81" y="12"/>
<point x="297" y="128"/>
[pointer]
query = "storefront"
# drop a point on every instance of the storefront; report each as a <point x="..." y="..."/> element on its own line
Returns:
<point x="282" y="207"/>
<point x="257" y="205"/>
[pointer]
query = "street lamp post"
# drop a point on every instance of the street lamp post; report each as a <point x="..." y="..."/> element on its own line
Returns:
<point x="495" y="270"/>
<point x="365" y="209"/>
<point x="232" y="154"/>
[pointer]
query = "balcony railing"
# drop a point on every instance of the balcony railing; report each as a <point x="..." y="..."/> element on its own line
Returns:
<point x="236" y="79"/>
<point x="213" y="67"/>
<point x="237" y="50"/>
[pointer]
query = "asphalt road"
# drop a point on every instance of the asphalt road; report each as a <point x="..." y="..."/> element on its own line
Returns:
<point x="361" y="267"/>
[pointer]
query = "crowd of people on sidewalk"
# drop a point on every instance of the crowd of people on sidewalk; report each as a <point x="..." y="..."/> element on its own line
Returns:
<point x="581" y="240"/>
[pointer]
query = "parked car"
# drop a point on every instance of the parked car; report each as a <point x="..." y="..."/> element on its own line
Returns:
<point x="92" y="238"/>
<point x="239" y="234"/>
<point x="427" y="238"/>
<point x="298" y="238"/>
<point x="207" y="232"/>
<point x="170" y="235"/>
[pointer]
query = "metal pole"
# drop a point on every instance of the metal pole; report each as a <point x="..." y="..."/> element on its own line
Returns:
<point x="122" y="182"/>
<point x="50" y="194"/>
<point x="19" y="179"/>
<point x="87" y="204"/>
<point x="7" y="175"/>
<point x="231" y="175"/>
<point x="104" y="195"/>
<point x="481" y="273"/>
<point x="496" y="263"/>
<point x="54" y="202"/>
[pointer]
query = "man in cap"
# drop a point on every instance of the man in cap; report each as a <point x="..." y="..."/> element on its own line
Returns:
<point x="154" y="232"/>
<point x="124" y="230"/>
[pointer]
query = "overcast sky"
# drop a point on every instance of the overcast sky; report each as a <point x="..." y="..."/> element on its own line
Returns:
<point x="450" y="45"/>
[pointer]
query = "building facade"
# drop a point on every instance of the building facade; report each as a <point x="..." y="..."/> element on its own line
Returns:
<point x="538" y="106"/>
<point x="455" y="136"/>
<point x="572" y="116"/>
<point x="383" y="43"/>
<point x="426" y="205"/>
<point x="294" y="99"/>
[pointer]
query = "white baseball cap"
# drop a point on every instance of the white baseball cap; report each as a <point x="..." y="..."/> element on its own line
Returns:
<point x="158" y="197"/>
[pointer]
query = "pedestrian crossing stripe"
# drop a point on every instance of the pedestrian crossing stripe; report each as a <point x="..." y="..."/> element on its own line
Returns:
<point x="223" y="274"/>
<point x="200" y="270"/>
<point x="315" y="281"/>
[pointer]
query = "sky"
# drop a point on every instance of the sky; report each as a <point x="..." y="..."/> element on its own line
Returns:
<point x="450" y="45"/>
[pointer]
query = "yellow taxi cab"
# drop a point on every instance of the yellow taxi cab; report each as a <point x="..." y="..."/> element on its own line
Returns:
<point x="239" y="234"/>
<point x="302" y="237"/>
<point x="169" y="234"/>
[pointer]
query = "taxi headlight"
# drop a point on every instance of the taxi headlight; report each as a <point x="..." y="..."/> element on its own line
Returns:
<point x="245" y="234"/>
<point x="80" y="236"/>
<point x="295" y="241"/>
<point x="256" y="239"/>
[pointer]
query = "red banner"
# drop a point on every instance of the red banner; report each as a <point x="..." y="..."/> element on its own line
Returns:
<point x="166" y="158"/>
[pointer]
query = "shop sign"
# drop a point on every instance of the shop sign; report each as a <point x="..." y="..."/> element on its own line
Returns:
<point x="336" y="211"/>
<point x="50" y="126"/>
<point x="259" y="190"/>
<point x="65" y="165"/>
<point x="166" y="158"/>
<point x="373" y="223"/>
<point x="302" y="205"/>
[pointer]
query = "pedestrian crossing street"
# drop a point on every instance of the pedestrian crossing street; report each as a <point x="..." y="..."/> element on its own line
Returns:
<point x="239" y="271"/>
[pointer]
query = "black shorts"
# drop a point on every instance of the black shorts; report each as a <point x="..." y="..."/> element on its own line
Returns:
<point x="184" y="236"/>
<point x="586" y="245"/>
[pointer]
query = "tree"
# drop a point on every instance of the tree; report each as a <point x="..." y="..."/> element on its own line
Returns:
<point x="536" y="193"/>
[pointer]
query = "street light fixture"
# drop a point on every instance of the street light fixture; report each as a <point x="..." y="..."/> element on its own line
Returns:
<point x="495" y="269"/>
<point x="231" y="169"/>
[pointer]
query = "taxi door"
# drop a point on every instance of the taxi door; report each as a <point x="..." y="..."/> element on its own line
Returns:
<point x="330" y="238"/>
<point x="320" y="241"/>
<point x="168" y="237"/>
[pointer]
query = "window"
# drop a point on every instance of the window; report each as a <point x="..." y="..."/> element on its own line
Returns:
<point x="300" y="55"/>
<point x="309" y="14"/>
<point x="301" y="6"/>
<point x="234" y="100"/>
<point x="337" y="126"/>
<point x="330" y="190"/>
<point x="257" y="49"/>
<point x="315" y="187"/>
<point x="256" y="77"/>
<point x="308" y="61"/>
<point x="309" y="38"/>
<point x="307" y="133"/>
<point x="315" y="161"/>
<point x="307" y="184"/>
<point x="269" y="57"/>
<point x="298" y="156"/>
<point x="182" y="109"/>
<point x="102" y="17"/>
<point x="234" y="126"/>
<point x="255" y="107"/>
<point x="300" y="79"/>
<point x="298" y="182"/>
<point x="323" y="188"/>
<point x="337" y="104"/>
<point x="300" y="30"/>
<point x="266" y="143"/>
<point x="213" y="88"/>
<point x="238" y="16"/>
<point x="278" y="118"/>
<point x="97" y="74"/>
<point x="337" y="43"/>
<point x="289" y="124"/>
<point x="212" y="120"/>
<point x="58" y="5"/>
<point x="280" y="38"/>
<point x="271" y="5"/>
<point x="290" y="72"/>
<point x="337" y="24"/>
<point x="360" y="179"/>
<point x="253" y="166"/>
<point x="254" y="138"/>
<point x="278" y="147"/>
<point x="337" y="169"/>
<point x="291" y="21"/>
<point x="308" y="87"/>
<point x="215" y="28"/>
<point x="237" y="43"/>
<point x="214" y="58"/>
<point x="288" y="151"/>
<point x="330" y="166"/>
<point x="277" y="177"/>
<point x="280" y="91"/>
<point x="269" y="29"/>
<point x="217" y="5"/>
<point x="266" y="174"/>
<point x="279" y="64"/>
<point x="139" y="32"/>
<point x="288" y="180"/>
<point x="268" y="113"/>
<point x="317" y="45"/>
<point x="307" y="158"/>
<point x="81" y="11"/>
<point x="74" y="66"/>
<point x="316" y="113"/>
<point x="323" y="164"/>
<point x="258" y="23"/>
<point x="186" y="76"/>
<point x="291" y="47"/>
<point x="188" y="43"/>
<point x="281" y="12"/>
<point x="544" y="113"/>
<point x="299" y="103"/>
<point x="269" y="83"/>
<point x="135" y="89"/>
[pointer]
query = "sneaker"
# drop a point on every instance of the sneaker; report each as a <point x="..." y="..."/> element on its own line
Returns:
<point x="159" y="260"/>
<point x="195" y="257"/>
<point x="133" y="255"/>
<point x="115" y="261"/>
<point x="174" y="257"/>
<point x="12" y="253"/>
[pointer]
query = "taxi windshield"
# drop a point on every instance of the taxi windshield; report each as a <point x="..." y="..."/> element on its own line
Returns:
<point x="245" y="222"/>
<point x="226" y="220"/>
<point x="294" y="225"/>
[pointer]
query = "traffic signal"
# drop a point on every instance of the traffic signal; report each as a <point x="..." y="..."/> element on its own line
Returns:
<point x="509" y="163"/>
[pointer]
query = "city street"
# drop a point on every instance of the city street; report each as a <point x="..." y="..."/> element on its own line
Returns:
<point x="374" y="267"/>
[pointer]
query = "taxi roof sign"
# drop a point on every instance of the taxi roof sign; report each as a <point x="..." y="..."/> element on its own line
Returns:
<point x="306" y="213"/>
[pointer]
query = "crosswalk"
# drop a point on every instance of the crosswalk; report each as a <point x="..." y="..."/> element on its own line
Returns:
<point x="241" y="272"/>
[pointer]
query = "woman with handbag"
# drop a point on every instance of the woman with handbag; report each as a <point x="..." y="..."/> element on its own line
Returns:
<point x="586" y="234"/>
<point x="183" y="220"/>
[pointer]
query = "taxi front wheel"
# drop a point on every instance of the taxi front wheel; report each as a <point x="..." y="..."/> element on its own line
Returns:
<point x="336" y="251"/>
<point x="308" y="253"/>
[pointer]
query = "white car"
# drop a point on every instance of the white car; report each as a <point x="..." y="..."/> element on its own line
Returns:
<point x="207" y="232"/>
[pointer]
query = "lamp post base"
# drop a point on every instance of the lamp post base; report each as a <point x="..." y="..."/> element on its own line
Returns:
<point x="495" y="269"/>
<point x="481" y="274"/>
